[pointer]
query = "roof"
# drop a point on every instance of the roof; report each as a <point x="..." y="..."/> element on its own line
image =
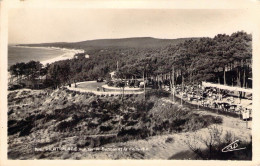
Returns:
<point x="113" y="73"/>
<point x="231" y="88"/>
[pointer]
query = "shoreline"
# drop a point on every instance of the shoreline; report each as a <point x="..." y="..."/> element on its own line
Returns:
<point x="67" y="53"/>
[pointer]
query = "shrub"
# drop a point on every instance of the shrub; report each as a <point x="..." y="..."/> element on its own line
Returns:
<point x="92" y="125"/>
<point x="63" y="125"/>
<point x="23" y="126"/>
<point x="26" y="130"/>
<point x="136" y="83"/>
<point x="105" y="128"/>
<point x="16" y="86"/>
<point x="169" y="140"/>
<point x="131" y="123"/>
<point x="105" y="118"/>
<point x="131" y="131"/>
<point x="141" y="105"/>
<point x="110" y="83"/>
<point x="158" y="93"/>
<point x="218" y="120"/>
<point x="131" y="84"/>
<point x="215" y="141"/>
<point x="11" y="122"/>
<point x="119" y="83"/>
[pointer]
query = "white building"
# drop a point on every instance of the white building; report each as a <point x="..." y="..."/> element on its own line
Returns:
<point x="113" y="74"/>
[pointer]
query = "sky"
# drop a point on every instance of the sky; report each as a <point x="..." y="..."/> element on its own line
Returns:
<point x="41" y="25"/>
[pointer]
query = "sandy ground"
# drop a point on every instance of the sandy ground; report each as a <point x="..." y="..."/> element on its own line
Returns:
<point x="227" y="120"/>
<point x="157" y="147"/>
<point x="69" y="54"/>
<point x="168" y="146"/>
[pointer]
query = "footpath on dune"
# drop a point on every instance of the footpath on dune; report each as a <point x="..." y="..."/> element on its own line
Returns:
<point x="174" y="146"/>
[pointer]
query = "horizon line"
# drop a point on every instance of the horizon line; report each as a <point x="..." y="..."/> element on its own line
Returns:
<point x="130" y="37"/>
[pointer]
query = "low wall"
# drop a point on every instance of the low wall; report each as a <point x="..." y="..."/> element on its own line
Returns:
<point x="107" y="88"/>
<point x="102" y="92"/>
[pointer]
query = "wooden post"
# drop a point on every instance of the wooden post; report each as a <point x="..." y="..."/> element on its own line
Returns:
<point x="246" y="124"/>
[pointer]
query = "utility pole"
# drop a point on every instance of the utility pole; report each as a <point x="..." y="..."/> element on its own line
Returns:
<point x="173" y="87"/>
<point x="225" y="75"/>
<point x="182" y="88"/>
<point x="123" y="88"/>
<point x="198" y="96"/>
<point x="144" y="84"/>
<point x="144" y="88"/>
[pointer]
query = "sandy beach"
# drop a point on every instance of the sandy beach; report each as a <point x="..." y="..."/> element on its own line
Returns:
<point x="68" y="53"/>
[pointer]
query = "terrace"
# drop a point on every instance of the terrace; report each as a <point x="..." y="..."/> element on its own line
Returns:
<point x="100" y="88"/>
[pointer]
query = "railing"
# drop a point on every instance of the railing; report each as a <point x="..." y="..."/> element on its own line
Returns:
<point x="110" y="93"/>
<point x="201" y="107"/>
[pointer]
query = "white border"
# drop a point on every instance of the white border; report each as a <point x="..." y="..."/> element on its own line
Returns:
<point x="253" y="5"/>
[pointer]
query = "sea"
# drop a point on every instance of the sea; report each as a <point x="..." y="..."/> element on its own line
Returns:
<point x="26" y="54"/>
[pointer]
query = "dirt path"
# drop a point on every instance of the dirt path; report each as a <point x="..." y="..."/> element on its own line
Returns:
<point x="171" y="146"/>
<point x="156" y="147"/>
<point x="227" y="120"/>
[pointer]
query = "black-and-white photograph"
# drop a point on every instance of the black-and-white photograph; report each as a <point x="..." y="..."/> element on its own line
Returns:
<point x="138" y="84"/>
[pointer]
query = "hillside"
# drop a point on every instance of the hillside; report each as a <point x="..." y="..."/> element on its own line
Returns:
<point x="136" y="42"/>
<point x="84" y="126"/>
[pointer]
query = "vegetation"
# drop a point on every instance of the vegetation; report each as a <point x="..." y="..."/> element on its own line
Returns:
<point x="215" y="141"/>
<point x="63" y="117"/>
<point x="103" y="44"/>
<point x="225" y="59"/>
<point x="83" y="116"/>
<point x="28" y="72"/>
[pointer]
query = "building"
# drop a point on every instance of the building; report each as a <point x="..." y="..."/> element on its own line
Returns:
<point x="112" y="75"/>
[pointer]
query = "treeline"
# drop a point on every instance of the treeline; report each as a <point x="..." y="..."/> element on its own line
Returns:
<point x="26" y="74"/>
<point x="224" y="59"/>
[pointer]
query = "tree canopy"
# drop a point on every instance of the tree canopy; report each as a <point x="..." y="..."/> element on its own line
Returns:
<point x="224" y="58"/>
